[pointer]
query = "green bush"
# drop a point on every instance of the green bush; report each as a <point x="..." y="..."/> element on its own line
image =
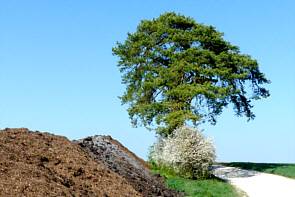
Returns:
<point x="186" y="153"/>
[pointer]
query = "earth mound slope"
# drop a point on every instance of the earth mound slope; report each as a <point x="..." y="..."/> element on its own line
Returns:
<point x="126" y="150"/>
<point x="114" y="156"/>
<point x="43" y="164"/>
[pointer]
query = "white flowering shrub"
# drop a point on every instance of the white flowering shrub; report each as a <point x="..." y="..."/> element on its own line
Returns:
<point x="187" y="153"/>
<point x="156" y="151"/>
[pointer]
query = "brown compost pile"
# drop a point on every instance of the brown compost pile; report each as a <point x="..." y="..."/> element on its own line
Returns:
<point x="43" y="164"/>
<point x="114" y="156"/>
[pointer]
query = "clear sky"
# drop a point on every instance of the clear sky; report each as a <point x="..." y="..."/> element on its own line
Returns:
<point x="58" y="74"/>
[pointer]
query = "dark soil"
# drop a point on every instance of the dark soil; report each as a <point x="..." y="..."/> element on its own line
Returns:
<point x="141" y="161"/>
<point x="114" y="156"/>
<point x="42" y="164"/>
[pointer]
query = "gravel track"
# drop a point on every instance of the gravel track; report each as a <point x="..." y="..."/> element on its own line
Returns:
<point x="256" y="184"/>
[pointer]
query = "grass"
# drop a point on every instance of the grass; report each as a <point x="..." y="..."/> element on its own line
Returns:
<point x="206" y="188"/>
<point x="283" y="169"/>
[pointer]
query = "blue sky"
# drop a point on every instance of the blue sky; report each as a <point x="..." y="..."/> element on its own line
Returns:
<point x="58" y="74"/>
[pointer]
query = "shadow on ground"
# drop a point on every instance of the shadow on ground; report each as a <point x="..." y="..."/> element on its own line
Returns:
<point x="262" y="167"/>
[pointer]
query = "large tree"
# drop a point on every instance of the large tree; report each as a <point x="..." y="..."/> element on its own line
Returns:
<point x="178" y="71"/>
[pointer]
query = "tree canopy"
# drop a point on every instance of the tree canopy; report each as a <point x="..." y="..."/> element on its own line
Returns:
<point x="177" y="71"/>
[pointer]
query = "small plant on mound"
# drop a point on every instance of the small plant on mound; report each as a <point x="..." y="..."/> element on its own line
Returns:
<point x="186" y="153"/>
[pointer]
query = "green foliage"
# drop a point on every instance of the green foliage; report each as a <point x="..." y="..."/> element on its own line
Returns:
<point x="206" y="188"/>
<point x="283" y="169"/>
<point x="177" y="70"/>
<point x="187" y="153"/>
<point x="151" y="161"/>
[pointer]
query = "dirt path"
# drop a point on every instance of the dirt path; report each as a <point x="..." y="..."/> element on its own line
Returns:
<point x="256" y="184"/>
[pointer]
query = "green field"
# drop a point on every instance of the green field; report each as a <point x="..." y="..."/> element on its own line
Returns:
<point x="283" y="169"/>
<point x="206" y="188"/>
<point x="219" y="188"/>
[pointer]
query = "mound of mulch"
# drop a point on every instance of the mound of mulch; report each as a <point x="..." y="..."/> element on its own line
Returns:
<point x="43" y="164"/>
<point x="114" y="156"/>
<point x="126" y="150"/>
